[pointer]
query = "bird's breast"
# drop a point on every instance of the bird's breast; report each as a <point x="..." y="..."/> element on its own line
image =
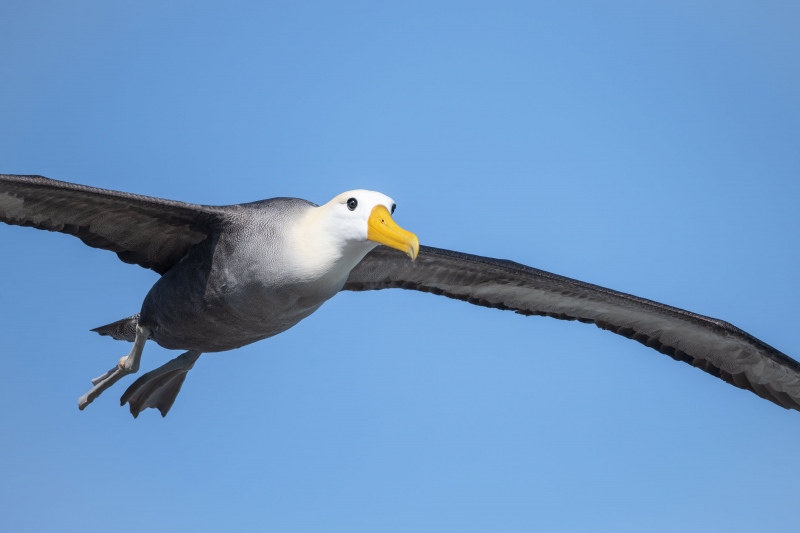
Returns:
<point x="228" y="296"/>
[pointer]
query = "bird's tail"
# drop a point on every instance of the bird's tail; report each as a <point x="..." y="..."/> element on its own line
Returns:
<point x="121" y="330"/>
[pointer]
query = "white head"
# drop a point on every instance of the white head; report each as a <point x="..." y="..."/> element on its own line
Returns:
<point x="339" y="234"/>
<point x="364" y="218"/>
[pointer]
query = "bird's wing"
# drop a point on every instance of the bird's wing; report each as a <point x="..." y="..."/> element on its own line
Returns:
<point x="707" y="343"/>
<point x="149" y="232"/>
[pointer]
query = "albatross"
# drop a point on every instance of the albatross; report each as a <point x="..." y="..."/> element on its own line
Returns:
<point x="236" y="274"/>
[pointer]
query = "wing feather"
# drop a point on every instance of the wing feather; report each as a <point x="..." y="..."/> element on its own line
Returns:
<point x="712" y="345"/>
<point x="149" y="232"/>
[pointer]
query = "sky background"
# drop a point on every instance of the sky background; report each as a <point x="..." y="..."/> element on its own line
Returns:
<point x="653" y="148"/>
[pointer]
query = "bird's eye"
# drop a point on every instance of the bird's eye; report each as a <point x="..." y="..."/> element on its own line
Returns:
<point x="394" y="206"/>
<point x="352" y="203"/>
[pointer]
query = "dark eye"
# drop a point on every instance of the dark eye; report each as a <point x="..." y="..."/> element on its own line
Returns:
<point x="352" y="203"/>
<point x="394" y="206"/>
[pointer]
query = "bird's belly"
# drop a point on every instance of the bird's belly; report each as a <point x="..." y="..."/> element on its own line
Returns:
<point x="219" y="320"/>
<point x="205" y="335"/>
<point x="220" y="325"/>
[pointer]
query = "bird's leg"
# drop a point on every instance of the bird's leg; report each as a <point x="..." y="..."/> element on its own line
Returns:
<point x="159" y="388"/>
<point x="127" y="365"/>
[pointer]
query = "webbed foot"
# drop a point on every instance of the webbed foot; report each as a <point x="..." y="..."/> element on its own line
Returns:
<point x="159" y="388"/>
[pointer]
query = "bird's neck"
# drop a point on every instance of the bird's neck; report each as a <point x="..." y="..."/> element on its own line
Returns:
<point x="319" y="255"/>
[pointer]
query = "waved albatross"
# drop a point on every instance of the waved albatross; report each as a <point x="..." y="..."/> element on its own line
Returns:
<point x="233" y="275"/>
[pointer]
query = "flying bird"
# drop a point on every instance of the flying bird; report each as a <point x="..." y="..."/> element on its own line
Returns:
<point x="233" y="275"/>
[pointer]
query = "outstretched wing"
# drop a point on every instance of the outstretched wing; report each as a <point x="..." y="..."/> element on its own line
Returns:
<point x="150" y="232"/>
<point x="712" y="345"/>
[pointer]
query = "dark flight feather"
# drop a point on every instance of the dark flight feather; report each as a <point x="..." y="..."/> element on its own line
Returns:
<point x="150" y="232"/>
<point x="712" y="345"/>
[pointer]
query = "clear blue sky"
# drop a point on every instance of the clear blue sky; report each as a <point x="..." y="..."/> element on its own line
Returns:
<point x="651" y="147"/>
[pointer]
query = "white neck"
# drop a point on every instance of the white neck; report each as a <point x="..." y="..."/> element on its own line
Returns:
<point x="319" y="253"/>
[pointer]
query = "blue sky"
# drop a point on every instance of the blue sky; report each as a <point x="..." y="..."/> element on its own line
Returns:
<point x="647" y="147"/>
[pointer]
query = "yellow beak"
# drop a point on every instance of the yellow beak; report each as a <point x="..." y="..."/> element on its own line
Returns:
<point x="382" y="229"/>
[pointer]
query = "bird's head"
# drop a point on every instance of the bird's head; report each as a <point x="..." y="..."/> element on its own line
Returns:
<point x="362" y="216"/>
